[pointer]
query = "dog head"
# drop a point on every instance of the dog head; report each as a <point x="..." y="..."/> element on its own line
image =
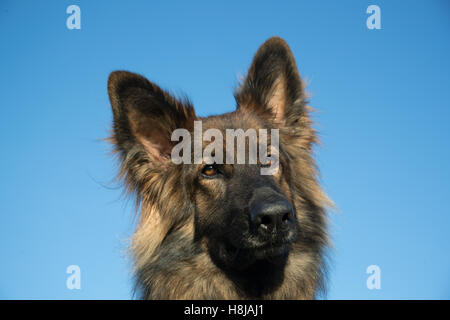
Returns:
<point x="185" y="168"/>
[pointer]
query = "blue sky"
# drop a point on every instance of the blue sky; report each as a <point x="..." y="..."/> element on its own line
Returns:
<point x="384" y="111"/>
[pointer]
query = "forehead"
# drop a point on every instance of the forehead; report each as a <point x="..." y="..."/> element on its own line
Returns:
<point x="245" y="132"/>
<point x="233" y="120"/>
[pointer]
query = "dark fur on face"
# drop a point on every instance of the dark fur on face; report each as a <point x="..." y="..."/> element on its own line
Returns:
<point x="232" y="234"/>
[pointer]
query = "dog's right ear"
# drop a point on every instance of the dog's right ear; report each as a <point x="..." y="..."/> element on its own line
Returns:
<point x="145" y="117"/>
<point x="273" y="86"/>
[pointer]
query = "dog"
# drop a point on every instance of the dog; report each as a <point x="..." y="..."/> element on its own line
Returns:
<point x="211" y="230"/>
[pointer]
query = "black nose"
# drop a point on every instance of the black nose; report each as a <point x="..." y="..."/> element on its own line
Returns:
<point x="269" y="216"/>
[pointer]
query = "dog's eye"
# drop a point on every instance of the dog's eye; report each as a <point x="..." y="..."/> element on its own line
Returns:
<point x="209" y="170"/>
<point x="266" y="164"/>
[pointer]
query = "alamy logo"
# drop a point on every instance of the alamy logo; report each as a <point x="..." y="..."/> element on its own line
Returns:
<point x="374" y="280"/>
<point x="235" y="139"/>
<point x="74" y="280"/>
<point x="374" y="20"/>
<point x="74" y="20"/>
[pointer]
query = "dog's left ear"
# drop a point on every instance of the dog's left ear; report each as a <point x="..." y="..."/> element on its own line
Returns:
<point x="273" y="86"/>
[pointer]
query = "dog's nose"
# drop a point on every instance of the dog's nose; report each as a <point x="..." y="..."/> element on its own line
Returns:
<point x="269" y="216"/>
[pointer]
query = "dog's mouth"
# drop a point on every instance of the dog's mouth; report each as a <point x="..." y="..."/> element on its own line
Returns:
<point x="242" y="257"/>
<point x="269" y="252"/>
<point x="239" y="253"/>
<point x="260" y="252"/>
<point x="261" y="249"/>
